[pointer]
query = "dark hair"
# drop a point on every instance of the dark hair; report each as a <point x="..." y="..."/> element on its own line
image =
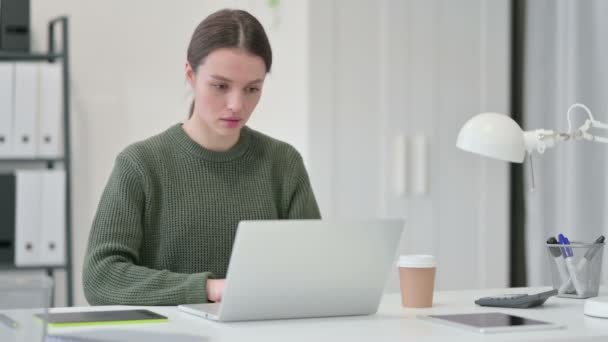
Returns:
<point x="228" y="29"/>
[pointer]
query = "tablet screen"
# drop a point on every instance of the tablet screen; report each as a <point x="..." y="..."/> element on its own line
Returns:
<point x="489" y="320"/>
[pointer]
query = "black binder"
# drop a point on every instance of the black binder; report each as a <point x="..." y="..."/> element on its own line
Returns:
<point x="15" y="25"/>
<point x="7" y="219"/>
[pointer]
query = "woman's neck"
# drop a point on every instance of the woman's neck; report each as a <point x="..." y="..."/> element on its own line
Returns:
<point x="205" y="137"/>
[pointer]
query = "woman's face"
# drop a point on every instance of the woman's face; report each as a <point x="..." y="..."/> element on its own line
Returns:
<point x="227" y="86"/>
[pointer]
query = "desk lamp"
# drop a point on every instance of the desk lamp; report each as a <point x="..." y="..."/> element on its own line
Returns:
<point x="500" y="137"/>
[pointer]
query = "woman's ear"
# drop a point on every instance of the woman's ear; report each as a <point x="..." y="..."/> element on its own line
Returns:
<point x="190" y="75"/>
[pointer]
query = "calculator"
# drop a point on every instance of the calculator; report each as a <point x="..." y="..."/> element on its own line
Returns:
<point x="519" y="300"/>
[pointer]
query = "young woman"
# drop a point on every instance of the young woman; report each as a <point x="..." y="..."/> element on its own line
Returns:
<point x="167" y="219"/>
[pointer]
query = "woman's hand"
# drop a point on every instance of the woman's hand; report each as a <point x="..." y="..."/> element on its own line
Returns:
<point x="215" y="289"/>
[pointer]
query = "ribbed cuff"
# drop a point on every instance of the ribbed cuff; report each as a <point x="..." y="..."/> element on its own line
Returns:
<point x="197" y="288"/>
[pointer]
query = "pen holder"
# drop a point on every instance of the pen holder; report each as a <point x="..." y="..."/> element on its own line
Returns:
<point x="575" y="268"/>
<point x="22" y="297"/>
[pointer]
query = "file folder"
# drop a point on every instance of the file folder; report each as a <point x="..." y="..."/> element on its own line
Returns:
<point x="50" y="141"/>
<point x="7" y="76"/>
<point x="52" y="244"/>
<point x="7" y="218"/>
<point x="28" y="206"/>
<point x="26" y="109"/>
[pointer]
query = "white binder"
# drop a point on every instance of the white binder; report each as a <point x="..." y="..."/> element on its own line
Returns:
<point x="26" y="109"/>
<point x="7" y="75"/>
<point x="50" y="137"/>
<point x="28" y="207"/>
<point x="52" y="227"/>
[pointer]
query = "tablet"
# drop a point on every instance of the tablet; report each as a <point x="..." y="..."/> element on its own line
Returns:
<point x="68" y="319"/>
<point x="492" y="322"/>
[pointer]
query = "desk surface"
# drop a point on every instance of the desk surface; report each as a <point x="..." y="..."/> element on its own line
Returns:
<point x="391" y="323"/>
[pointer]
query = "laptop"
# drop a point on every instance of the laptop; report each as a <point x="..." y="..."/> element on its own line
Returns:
<point x="288" y="269"/>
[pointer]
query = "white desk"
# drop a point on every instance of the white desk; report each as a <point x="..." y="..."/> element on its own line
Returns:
<point x="391" y="323"/>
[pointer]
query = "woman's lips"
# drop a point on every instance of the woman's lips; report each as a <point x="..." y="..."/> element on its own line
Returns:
<point x="231" y="122"/>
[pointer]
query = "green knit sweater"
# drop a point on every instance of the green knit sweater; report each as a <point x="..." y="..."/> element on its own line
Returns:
<point x="167" y="218"/>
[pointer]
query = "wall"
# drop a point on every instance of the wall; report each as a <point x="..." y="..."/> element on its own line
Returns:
<point x="349" y="77"/>
<point x="413" y="71"/>
<point x="127" y="83"/>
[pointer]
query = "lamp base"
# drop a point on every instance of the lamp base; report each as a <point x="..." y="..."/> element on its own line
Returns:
<point x="597" y="307"/>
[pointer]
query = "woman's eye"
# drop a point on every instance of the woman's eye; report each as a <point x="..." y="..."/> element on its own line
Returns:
<point x="220" y="86"/>
<point x="253" y="90"/>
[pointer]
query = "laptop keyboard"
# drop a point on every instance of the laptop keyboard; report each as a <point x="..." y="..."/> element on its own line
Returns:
<point x="213" y="308"/>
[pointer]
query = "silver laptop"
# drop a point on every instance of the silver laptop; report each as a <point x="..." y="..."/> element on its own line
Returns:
<point x="305" y="268"/>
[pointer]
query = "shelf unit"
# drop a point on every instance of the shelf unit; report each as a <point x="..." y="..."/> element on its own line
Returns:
<point x="61" y="55"/>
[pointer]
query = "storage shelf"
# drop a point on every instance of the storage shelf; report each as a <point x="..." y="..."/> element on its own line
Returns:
<point x="56" y="51"/>
<point x="32" y="160"/>
<point x="5" y="267"/>
<point x="25" y="56"/>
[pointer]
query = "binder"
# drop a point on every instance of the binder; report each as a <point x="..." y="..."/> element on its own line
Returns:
<point x="52" y="244"/>
<point x="50" y="137"/>
<point x="26" y="109"/>
<point x="28" y="207"/>
<point x="7" y="75"/>
<point x="7" y="218"/>
<point x="15" y="25"/>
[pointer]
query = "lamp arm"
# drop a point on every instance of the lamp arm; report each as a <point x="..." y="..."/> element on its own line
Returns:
<point x="583" y="134"/>
<point x="541" y="139"/>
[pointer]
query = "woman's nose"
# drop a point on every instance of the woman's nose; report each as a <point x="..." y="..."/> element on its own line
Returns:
<point x="235" y="103"/>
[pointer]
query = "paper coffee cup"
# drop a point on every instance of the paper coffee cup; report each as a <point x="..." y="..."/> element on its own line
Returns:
<point x="417" y="280"/>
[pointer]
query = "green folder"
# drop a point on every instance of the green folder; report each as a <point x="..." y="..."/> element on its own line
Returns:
<point x="90" y="318"/>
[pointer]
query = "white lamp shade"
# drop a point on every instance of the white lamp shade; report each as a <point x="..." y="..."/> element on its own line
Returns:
<point x="493" y="135"/>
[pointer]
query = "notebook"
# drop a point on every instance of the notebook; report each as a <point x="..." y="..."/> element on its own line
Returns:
<point x="71" y="319"/>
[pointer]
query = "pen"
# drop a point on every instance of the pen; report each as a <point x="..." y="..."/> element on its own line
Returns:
<point x="561" y="266"/>
<point x="9" y="322"/>
<point x="591" y="252"/>
<point x="568" y="254"/>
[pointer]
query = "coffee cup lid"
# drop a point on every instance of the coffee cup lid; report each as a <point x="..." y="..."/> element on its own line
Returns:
<point x="417" y="261"/>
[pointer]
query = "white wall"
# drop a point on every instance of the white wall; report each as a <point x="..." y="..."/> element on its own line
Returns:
<point x="414" y="68"/>
<point x="347" y="76"/>
<point x="127" y="82"/>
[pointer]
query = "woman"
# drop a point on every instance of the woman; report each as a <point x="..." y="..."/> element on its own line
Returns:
<point x="166" y="222"/>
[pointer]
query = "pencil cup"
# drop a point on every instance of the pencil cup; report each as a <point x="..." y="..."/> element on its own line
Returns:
<point x="575" y="268"/>
<point x="417" y="280"/>
<point x="21" y="297"/>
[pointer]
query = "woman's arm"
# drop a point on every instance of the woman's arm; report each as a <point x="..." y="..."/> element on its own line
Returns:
<point x="301" y="202"/>
<point x="111" y="274"/>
